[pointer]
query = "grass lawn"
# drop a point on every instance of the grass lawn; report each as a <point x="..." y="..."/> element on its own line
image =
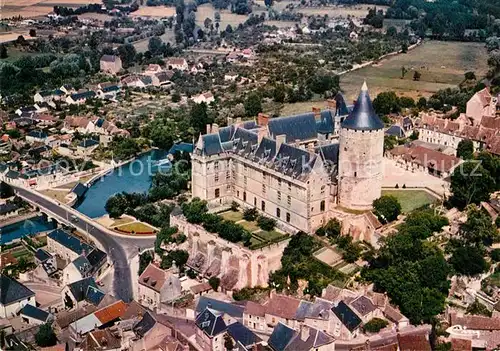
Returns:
<point x="232" y="216"/>
<point x="441" y="64"/>
<point x="22" y="253"/>
<point x="254" y="240"/>
<point x="250" y="226"/>
<point x="495" y="279"/>
<point x="269" y="236"/>
<point x="121" y="221"/>
<point x="411" y="199"/>
<point x="136" y="227"/>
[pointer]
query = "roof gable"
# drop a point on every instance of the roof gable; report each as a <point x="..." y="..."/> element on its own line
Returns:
<point x="11" y="290"/>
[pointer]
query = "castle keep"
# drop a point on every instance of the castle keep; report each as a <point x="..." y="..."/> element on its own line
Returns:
<point x="294" y="169"/>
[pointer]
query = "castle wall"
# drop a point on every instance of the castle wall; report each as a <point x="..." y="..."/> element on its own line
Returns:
<point x="253" y="266"/>
<point x="360" y="167"/>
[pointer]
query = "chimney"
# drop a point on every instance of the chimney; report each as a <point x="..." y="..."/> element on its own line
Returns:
<point x="230" y="121"/>
<point x="262" y="119"/>
<point x="304" y="332"/>
<point x="215" y="128"/>
<point x="310" y="147"/>
<point x="209" y="129"/>
<point x="238" y="119"/>
<point x="261" y="134"/>
<point x="317" y="112"/>
<point x="331" y="104"/>
<point x="280" y="139"/>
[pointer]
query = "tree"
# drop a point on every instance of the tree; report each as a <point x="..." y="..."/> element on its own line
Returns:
<point x="6" y="190"/>
<point x="176" y="97"/>
<point x="199" y="117"/>
<point x="155" y="46"/>
<point x="229" y="29"/>
<point x="470" y="183"/>
<point x="20" y="40"/>
<point x="228" y="342"/>
<point x="250" y="214"/>
<point x="387" y="208"/>
<point x="386" y="102"/>
<point x="422" y="103"/>
<point x="374" y="325"/>
<point x="416" y="76"/>
<point x="478" y="308"/>
<point x="495" y="255"/>
<point x="470" y="76"/>
<point x="253" y="104"/>
<point x="217" y="17"/>
<point x="214" y="283"/>
<point x="406" y="102"/>
<point x="144" y="260"/>
<point x="3" y="52"/>
<point x="127" y="54"/>
<point x="391" y="31"/>
<point x="465" y="149"/>
<point x="478" y="230"/>
<point x="279" y="94"/>
<point x="266" y="223"/>
<point x="194" y="210"/>
<point x="207" y="23"/>
<point x="46" y="336"/>
<point x="32" y="33"/>
<point x="468" y="260"/>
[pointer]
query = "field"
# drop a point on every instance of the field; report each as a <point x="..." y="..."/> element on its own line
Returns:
<point x="35" y="8"/>
<point x="359" y="11"/>
<point x="411" y="199"/>
<point x="441" y="64"/>
<point x="142" y="45"/>
<point x="154" y="11"/>
<point x="226" y="17"/>
<point x="136" y="227"/>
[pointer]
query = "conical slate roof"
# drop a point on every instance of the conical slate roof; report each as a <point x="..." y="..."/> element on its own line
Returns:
<point x="363" y="116"/>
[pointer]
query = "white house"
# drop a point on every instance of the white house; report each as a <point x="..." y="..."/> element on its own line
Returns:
<point x="207" y="98"/>
<point x="78" y="269"/>
<point x="36" y="136"/>
<point x="178" y="63"/>
<point x="35" y="316"/>
<point x="156" y="286"/>
<point x="80" y="98"/>
<point x="14" y="297"/>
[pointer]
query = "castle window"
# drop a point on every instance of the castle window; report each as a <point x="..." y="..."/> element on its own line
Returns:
<point x="289" y="200"/>
<point x="323" y="189"/>
<point x="345" y="149"/>
<point x="322" y="206"/>
<point x="263" y="205"/>
<point x="217" y="192"/>
<point x="264" y="175"/>
<point x="279" y="182"/>
<point x="355" y="174"/>
<point x="237" y="193"/>
<point x="279" y="195"/>
<point x="244" y="196"/>
<point x="216" y="165"/>
<point x="228" y="187"/>
<point x="289" y="187"/>
<point x="278" y="213"/>
<point x="228" y="174"/>
<point x="216" y="177"/>
<point x="245" y="180"/>
<point x="255" y="201"/>
<point x="288" y="217"/>
<point x="264" y="189"/>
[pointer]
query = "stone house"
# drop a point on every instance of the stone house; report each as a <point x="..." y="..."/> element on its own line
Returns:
<point x="481" y="104"/>
<point x="178" y="64"/>
<point x="14" y="297"/>
<point x="156" y="286"/>
<point x="66" y="246"/>
<point x="111" y="64"/>
<point x="306" y="338"/>
<point x="210" y="330"/>
<point x="204" y="97"/>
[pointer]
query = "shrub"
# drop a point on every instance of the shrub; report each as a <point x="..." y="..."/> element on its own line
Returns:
<point x="266" y="223"/>
<point x="250" y="214"/>
<point x="387" y="208"/>
<point x="495" y="255"/>
<point x="191" y="274"/>
<point x="375" y="325"/>
<point x="235" y="206"/>
<point x="214" y="283"/>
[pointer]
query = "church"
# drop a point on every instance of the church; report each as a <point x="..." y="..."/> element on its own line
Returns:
<point x="300" y="170"/>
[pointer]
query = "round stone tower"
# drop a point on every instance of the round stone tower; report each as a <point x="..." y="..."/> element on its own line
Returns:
<point x="361" y="155"/>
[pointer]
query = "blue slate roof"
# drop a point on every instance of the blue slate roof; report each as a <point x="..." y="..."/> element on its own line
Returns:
<point x="79" y="189"/>
<point x="80" y="288"/>
<point x="363" y="116"/>
<point x="94" y="295"/>
<point x="35" y="313"/>
<point x="244" y="142"/>
<point x="329" y="153"/>
<point x="96" y="258"/>
<point x="281" y="337"/>
<point x="242" y="334"/>
<point x="293" y="162"/>
<point x="82" y="264"/>
<point x="69" y="241"/>
<point x="317" y="309"/>
<point x="37" y="134"/>
<point x="211" y="322"/>
<point x="266" y="150"/>
<point x="99" y="122"/>
<point x="8" y="208"/>
<point x="298" y="127"/>
<point x="85" y="95"/>
<point x="396" y="131"/>
<point x="249" y="125"/>
<point x="325" y="123"/>
<point x="42" y="255"/>
<point x="110" y="89"/>
<point x="88" y="143"/>
<point x="183" y="147"/>
<point x="221" y="306"/>
<point x="144" y="325"/>
<point x="11" y="290"/>
<point x="226" y="133"/>
<point x="346" y="316"/>
<point x="211" y="145"/>
<point x="3" y="166"/>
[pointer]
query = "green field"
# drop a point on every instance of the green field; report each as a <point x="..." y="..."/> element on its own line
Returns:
<point x="234" y="216"/>
<point x="441" y="64"/>
<point x="411" y="199"/>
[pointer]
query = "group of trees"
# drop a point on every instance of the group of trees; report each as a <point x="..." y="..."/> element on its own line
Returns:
<point x="387" y="208"/>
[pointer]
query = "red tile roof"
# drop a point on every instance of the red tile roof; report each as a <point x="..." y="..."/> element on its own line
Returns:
<point x="475" y="322"/>
<point x="153" y="277"/>
<point x="419" y="342"/>
<point x="112" y="312"/>
<point x="255" y="309"/>
<point x="429" y="158"/>
<point x="461" y="345"/>
<point x="282" y="306"/>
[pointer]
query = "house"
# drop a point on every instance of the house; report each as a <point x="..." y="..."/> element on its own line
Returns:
<point x="108" y="92"/>
<point x="111" y="64"/>
<point x="26" y="111"/>
<point x="307" y="338"/>
<point x="157" y="285"/>
<point x="230" y="77"/>
<point x="65" y="245"/>
<point x="346" y="323"/>
<point x="153" y="69"/>
<point x="8" y="210"/>
<point x="207" y="98"/>
<point x="35" y="316"/>
<point x="161" y="79"/>
<point x="80" y="98"/>
<point x="481" y="104"/>
<point x="67" y="89"/>
<point x="104" y="316"/>
<point x="86" y="147"/>
<point x="14" y="296"/>
<point x="44" y="119"/>
<point x="210" y="330"/>
<point x="243" y="337"/>
<point x="104" y="340"/>
<point x="36" y="136"/>
<point x="78" y="269"/>
<point x="177" y="63"/>
<point x="77" y="293"/>
<point x="281" y="308"/>
<point x="43" y="96"/>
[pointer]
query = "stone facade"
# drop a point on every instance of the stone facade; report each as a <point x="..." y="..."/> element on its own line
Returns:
<point x="287" y="167"/>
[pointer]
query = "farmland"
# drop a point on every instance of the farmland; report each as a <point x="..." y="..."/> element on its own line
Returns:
<point x="441" y="64"/>
<point x="207" y="11"/>
<point x="154" y="11"/>
<point x="35" y="8"/>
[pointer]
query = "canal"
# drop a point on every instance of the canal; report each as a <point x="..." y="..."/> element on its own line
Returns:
<point x="132" y="177"/>
<point x="30" y="226"/>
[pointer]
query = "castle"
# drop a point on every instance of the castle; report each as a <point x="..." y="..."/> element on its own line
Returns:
<point x="299" y="170"/>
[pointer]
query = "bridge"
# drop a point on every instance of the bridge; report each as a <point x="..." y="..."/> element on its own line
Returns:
<point x="120" y="249"/>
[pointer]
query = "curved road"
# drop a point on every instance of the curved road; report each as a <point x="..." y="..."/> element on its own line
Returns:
<point x="119" y="249"/>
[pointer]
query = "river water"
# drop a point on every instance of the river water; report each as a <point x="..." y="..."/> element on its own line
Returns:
<point x="30" y="226"/>
<point x="132" y="177"/>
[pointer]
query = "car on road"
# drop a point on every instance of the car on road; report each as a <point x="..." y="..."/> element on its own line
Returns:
<point x="74" y="218"/>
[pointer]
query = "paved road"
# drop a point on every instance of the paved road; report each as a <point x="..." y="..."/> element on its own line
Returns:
<point x="122" y="284"/>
